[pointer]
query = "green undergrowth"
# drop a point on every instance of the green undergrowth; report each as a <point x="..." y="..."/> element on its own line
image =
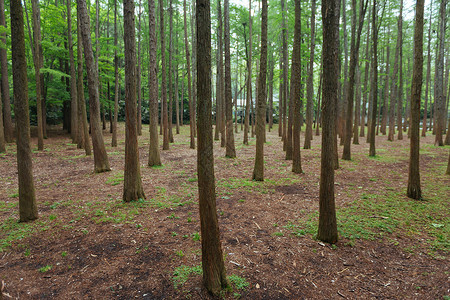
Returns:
<point x="12" y="231"/>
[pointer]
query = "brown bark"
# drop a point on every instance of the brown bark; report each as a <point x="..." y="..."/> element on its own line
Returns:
<point x="374" y="80"/>
<point x="7" y="119"/>
<point x="214" y="273"/>
<point x="154" y="158"/>
<point x="319" y="94"/>
<point x="165" y="120"/>
<point x="27" y="199"/>
<point x="2" y="131"/>
<point x="439" y="81"/>
<point x="258" y="171"/>
<point x="400" y="80"/>
<point x="309" y="83"/>
<point x="327" y="230"/>
<point x="448" y="165"/>
<point x="249" y="74"/>
<point x="83" y="130"/>
<point x="414" y="190"/>
<point x="285" y="72"/>
<point x="116" y="81"/>
<point x="366" y="82"/>
<point x="170" y="120"/>
<point x="386" y="90"/>
<point x="138" y="77"/>
<point x="73" y="82"/>
<point x="132" y="185"/>
<point x="101" y="163"/>
<point x="230" y="150"/>
<point x="357" y="107"/>
<point x="189" y="83"/>
<point x="296" y="91"/>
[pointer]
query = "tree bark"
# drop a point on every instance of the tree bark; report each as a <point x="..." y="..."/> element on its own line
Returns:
<point x="154" y="158"/>
<point x="439" y="80"/>
<point x="327" y="230"/>
<point x="188" y="66"/>
<point x="165" y="120"/>
<point x="400" y="80"/>
<point x="230" y="150"/>
<point x="285" y="72"/>
<point x="116" y="81"/>
<point x="258" y="171"/>
<point x="101" y="163"/>
<point x="214" y="273"/>
<point x="2" y="130"/>
<point x="374" y="88"/>
<point x="249" y="75"/>
<point x="357" y="106"/>
<point x="73" y="82"/>
<point x="309" y="83"/>
<point x="27" y="199"/>
<point x="414" y="190"/>
<point x="7" y="119"/>
<point x="296" y="90"/>
<point x="139" y="76"/>
<point x="170" y="120"/>
<point x="132" y="185"/>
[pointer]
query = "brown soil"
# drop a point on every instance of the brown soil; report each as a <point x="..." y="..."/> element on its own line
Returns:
<point x="100" y="248"/>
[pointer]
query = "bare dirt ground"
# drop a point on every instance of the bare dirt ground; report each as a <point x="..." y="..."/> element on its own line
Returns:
<point x="88" y="244"/>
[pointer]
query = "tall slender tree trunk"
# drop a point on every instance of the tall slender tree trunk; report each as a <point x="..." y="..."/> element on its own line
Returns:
<point x="37" y="67"/>
<point x="2" y="130"/>
<point x="386" y="90"/>
<point x="394" y="87"/>
<point x="400" y="80"/>
<point x="258" y="171"/>
<point x="101" y="163"/>
<point x="374" y="79"/>
<point x="296" y="90"/>
<point x="165" y="120"/>
<point x="230" y="150"/>
<point x="357" y="106"/>
<point x="132" y="185"/>
<point x="439" y="80"/>
<point x="309" y="83"/>
<point x="188" y="66"/>
<point x="327" y="230"/>
<point x="366" y="82"/>
<point x="271" y="70"/>
<point x="154" y="158"/>
<point x="139" y="77"/>
<point x="319" y="94"/>
<point x="249" y="74"/>
<point x="73" y="82"/>
<point x="27" y="199"/>
<point x="116" y="81"/>
<point x="414" y="190"/>
<point x="170" y="121"/>
<point x="284" y="34"/>
<point x="343" y="101"/>
<point x="214" y="273"/>
<point x="83" y="130"/>
<point x="7" y="119"/>
<point x="425" y="108"/>
<point x="194" y="67"/>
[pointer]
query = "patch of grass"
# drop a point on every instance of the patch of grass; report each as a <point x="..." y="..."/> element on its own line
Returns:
<point x="115" y="179"/>
<point x="179" y="253"/>
<point x="196" y="236"/>
<point x="182" y="274"/>
<point x="238" y="282"/>
<point x="278" y="233"/>
<point x="14" y="195"/>
<point x="45" y="269"/>
<point x="11" y="230"/>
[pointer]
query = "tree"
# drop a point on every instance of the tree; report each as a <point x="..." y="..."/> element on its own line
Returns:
<point x="132" y="185"/>
<point x="165" y="120"/>
<point x="249" y="75"/>
<point x="309" y="83"/>
<point x="258" y="171"/>
<point x="138" y="77"/>
<point x="285" y="73"/>
<point x="295" y="95"/>
<point x="188" y="67"/>
<point x="154" y="158"/>
<point x="439" y="80"/>
<point x="425" y="109"/>
<point x="354" y="50"/>
<point x="448" y="165"/>
<point x="170" y="120"/>
<point x="27" y="199"/>
<point x="374" y="89"/>
<point x="399" y="89"/>
<point x="116" y="81"/>
<point x="230" y="150"/>
<point x="73" y="81"/>
<point x="2" y="132"/>
<point x="414" y="190"/>
<point x="101" y="163"/>
<point x="214" y="274"/>
<point x="327" y="230"/>
<point x="7" y="120"/>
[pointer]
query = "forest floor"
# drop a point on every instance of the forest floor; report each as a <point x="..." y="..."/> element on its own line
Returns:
<point x="88" y="244"/>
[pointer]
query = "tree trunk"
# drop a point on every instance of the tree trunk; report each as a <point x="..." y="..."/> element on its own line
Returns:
<point x="439" y="81"/>
<point x="296" y="90"/>
<point x="358" y="106"/>
<point x="101" y="163"/>
<point x="425" y="109"/>
<point x="219" y="75"/>
<point x="374" y="80"/>
<point x="132" y="185"/>
<point x="400" y="80"/>
<point x="214" y="273"/>
<point x="354" y="50"/>
<point x="188" y="66"/>
<point x="154" y="158"/>
<point x="139" y="76"/>
<point x="83" y="128"/>
<point x="249" y="74"/>
<point x="319" y="94"/>
<point x="258" y="171"/>
<point x="2" y="130"/>
<point x="27" y="199"/>
<point x="285" y="71"/>
<point x="327" y="230"/>
<point x="309" y="83"/>
<point x="414" y="190"/>
<point x="165" y="120"/>
<point x="230" y="148"/>
<point x="170" y="120"/>
<point x="7" y="119"/>
<point x="386" y="90"/>
<point x="366" y="82"/>
<point x="73" y="82"/>
<point x="116" y="81"/>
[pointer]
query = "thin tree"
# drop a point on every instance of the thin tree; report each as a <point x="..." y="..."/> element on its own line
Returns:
<point x="296" y="91"/>
<point x="7" y="119"/>
<point x="285" y="63"/>
<point x="354" y="51"/>
<point x="219" y="78"/>
<point x="439" y="80"/>
<point x="386" y="89"/>
<point x="171" y="92"/>
<point x="132" y="185"/>
<point x="258" y="171"/>
<point x="399" y="89"/>
<point x="394" y="84"/>
<point x="2" y="132"/>
<point x="138" y="76"/>
<point x="374" y="88"/>
<point x="425" y="108"/>
<point x="189" y="82"/>
<point x="214" y="273"/>
<point x="73" y="82"/>
<point x="448" y="165"/>
<point x="101" y="163"/>
<point x="327" y="231"/>
<point x="83" y="128"/>
<point x="249" y="74"/>
<point x="366" y="81"/>
<point x="357" y="107"/>
<point x="154" y="158"/>
<point x="414" y="190"/>
<point x="230" y="150"/>
<point x="165" y="120"/>
<point x="116" y="81"/>
<point x="27" y="199"/>
<point x="309" y="83"/>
